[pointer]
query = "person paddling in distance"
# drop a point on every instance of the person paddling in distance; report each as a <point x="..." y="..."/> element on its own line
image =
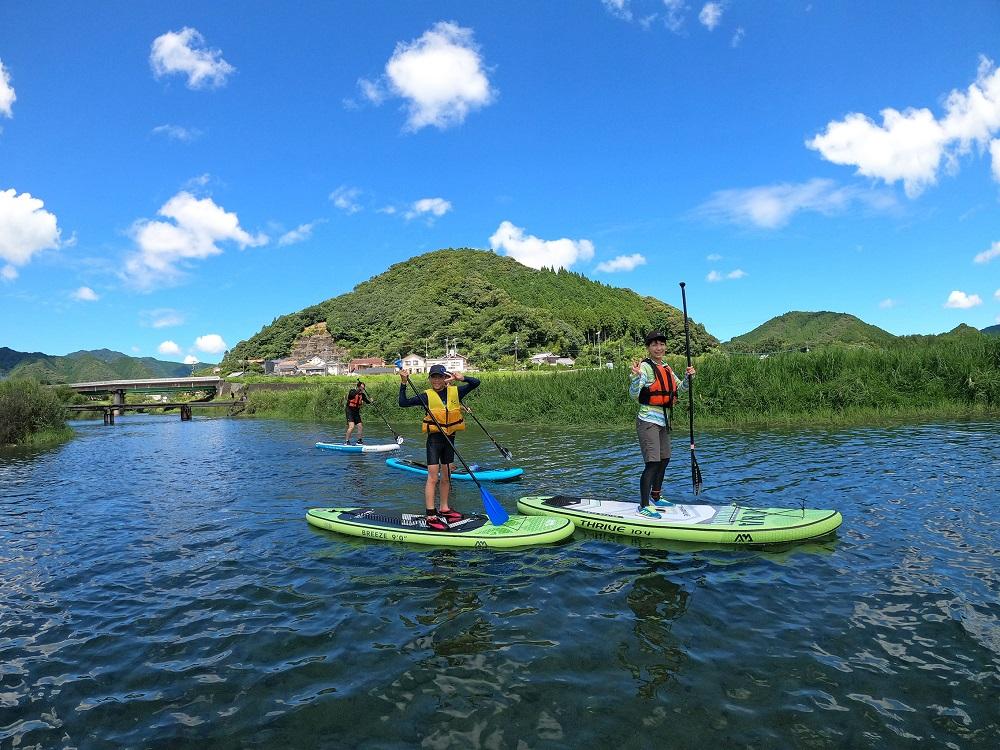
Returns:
<point x="444" y="400"/>
<point x="355" y="397"/>
<point x="655" y="386"/>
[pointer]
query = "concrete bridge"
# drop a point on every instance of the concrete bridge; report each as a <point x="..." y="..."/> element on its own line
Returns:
<point x="118" y="388"/>
<point x="151" y="385"/>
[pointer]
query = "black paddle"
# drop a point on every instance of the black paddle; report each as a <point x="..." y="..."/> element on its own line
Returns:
<point x="497" y="515"/>
<point x="695" y="469"/>
<point x="503" y="451"/>
<point x="399" y="438"/>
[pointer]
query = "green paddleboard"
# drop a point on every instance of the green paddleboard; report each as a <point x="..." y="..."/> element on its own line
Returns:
<point x="714" y="524"/>
<point x="472" y="531"/>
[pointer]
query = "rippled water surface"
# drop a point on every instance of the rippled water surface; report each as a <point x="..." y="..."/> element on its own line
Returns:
<point x="161" y="589"/>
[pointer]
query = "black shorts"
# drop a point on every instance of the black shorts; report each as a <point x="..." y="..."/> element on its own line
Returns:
<point x="353" y="415"/>
<point x="438" y="450"/>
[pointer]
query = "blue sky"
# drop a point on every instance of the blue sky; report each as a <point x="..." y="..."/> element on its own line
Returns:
<point x="173" y="178"/>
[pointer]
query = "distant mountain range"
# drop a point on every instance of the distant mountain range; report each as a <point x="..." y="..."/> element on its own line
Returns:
<point x="798" y="330"/>
<point x="83" y="366"/>
<point x="992" y="330"/>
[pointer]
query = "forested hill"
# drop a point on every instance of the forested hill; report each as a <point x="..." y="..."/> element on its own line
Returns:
<point x="84" y="366"/>
<point x="794" y="330"/>
<point x="484" y="301"/>
<point x="992" y="330"/>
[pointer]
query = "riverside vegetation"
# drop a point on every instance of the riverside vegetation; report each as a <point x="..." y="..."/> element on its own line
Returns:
<point x="940" y="377"/>
<point x="31" y="414"/>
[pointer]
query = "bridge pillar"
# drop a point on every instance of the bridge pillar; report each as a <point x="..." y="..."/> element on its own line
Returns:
<point x="185" y="413"/>
<point x="118" y="399"/>
<point x="109" y="416"/>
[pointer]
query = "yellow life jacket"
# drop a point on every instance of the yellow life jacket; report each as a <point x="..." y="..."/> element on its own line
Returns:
<point x="449" y="415"/>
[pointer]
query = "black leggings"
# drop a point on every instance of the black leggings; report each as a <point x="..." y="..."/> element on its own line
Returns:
<point x="652" y="478"/>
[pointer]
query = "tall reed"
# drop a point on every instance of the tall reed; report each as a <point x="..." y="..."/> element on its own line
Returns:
<point x="829" y="385"/>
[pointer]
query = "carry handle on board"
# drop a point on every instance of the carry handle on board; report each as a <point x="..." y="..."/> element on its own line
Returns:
<point x="494" y="511"/>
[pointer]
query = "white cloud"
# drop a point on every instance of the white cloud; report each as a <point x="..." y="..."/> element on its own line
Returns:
<point x="8" y="273"/>
<point x="997" y="294"/>
<point x="622" y="263"/>
<point x="346" y="199"/>
<point x="190" y="360"/>
<point x="169" y="347"/>
<point x="199" y="181"/>
<point x="711" y="15"/>
<point x="995" y="156"/>
<point x="539" y="253"/>
<point x="25" y="228"/>
<point x="164" y="317"/>
<point x="713" y="276"/>
<point x="987" y="255"/>
<point x="737" y="273"/>
<point x="888" y="303"/>
<point x="199" y="224"/>
<point x="737" y="37"/>
<point x="962" y="301"/>
<point x="674" y="17"/>
<point x="301" y="233"/>
<point x="177" y="132"/>
<point x="430" y="207"/>
<point x="713" y="258"/>
<point x="772" y="206"/>
<point x="909" y="146"/>
<point x="85" y="294"/>
<point x="389" y="210"/>
<point x="184" y="52"/>
<point x="619" y="8"/>
<point x="441" y="76"/>
<point x="7" y="95"/>
<point x="211" y="343"/>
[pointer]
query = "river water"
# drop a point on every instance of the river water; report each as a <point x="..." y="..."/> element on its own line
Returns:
<point x="161" y="589"/>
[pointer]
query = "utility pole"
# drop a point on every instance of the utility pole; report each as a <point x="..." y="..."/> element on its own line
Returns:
<point x="600" y="363"/>
<point x="515" y="352"/>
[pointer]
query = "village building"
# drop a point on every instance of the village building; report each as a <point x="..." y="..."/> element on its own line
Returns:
<point x="454" y="362"/>
<point x="362" y="363"/>
<point x="415" y="363"/>
<point x="548" y="358"/>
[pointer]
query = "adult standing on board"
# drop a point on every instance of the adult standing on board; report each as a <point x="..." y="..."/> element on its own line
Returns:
<point x="655" y="386"/>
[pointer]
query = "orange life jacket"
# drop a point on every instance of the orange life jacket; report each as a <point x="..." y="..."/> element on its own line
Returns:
<point x="355" y="403"/>
<point x="663" y="390"/>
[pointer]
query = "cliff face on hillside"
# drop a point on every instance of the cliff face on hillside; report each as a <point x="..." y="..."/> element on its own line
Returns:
<point x="316" y="341"/>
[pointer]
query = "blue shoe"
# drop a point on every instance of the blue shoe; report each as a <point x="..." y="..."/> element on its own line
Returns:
<point x="663" y="503"/>
<point x="647" y="512"/>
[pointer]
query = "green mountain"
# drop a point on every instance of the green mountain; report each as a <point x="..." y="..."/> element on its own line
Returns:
<point x="991" y="330"/>
<point x="83" y="366"/>
<point x="795" y="330"/>
<point x="485" y="301"/>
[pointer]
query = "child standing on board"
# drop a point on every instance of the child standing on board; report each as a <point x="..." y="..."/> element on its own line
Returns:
<point x="655" y="386"/>
<point x="444" y="401"/>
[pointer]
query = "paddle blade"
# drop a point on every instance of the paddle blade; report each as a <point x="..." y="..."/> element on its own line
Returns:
<point x="506" y="453"/>
<point x="494" y="510"/>
<point x="399" y="439"/>
<point x="695" y="474"/>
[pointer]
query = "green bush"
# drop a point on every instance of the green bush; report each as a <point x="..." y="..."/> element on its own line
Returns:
<point x="27" y="409"/>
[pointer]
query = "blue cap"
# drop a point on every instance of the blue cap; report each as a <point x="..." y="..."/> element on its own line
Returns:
<point x="438" y="370"/>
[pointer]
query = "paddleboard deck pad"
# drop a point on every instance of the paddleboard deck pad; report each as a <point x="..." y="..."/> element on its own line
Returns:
<point x="483" y="475"/>
<point x="373" y="448"/>
<point x="714" y="524"/>
<point x="471" y="531"/>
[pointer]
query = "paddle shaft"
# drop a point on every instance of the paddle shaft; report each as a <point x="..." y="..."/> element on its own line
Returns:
<point x="503" y="451"/>
<point x="695" y="469"/>
<point x="446" y="436"/>
<point x="379" y="412"/>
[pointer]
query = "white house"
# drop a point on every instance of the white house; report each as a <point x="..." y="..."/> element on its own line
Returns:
<point x="415" y="363"/>
<point x="454" y="362"/>
<point x="544" y="358"/>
